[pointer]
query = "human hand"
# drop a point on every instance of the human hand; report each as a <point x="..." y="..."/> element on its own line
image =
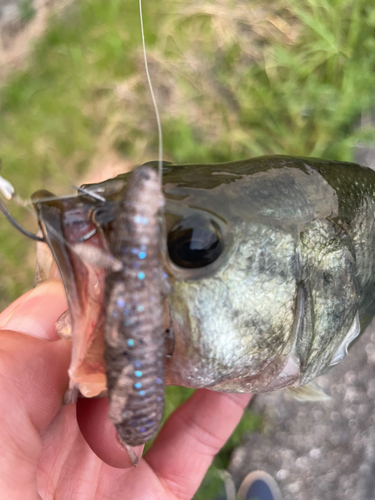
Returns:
<point x="53" y="452"/>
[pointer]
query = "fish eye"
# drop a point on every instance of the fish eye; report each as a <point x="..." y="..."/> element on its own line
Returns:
<point x="195" y="242"/>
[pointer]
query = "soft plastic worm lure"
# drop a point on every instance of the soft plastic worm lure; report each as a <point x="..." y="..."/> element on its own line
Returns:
<point x="134" y="286"/>
<point x="133" y="329"/>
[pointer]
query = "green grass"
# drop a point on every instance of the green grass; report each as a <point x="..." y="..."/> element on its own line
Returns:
<point x="233" y="79"/>
<point x="27" y="10"/>
<point x="56" y="115"/>
<point x="291" y="77"/>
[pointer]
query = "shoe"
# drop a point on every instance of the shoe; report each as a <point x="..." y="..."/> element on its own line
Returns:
<point x="258" y="485"/>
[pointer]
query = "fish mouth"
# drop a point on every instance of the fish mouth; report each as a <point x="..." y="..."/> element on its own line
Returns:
<point x="63" y="223"/>
<point x="83" y="323"/>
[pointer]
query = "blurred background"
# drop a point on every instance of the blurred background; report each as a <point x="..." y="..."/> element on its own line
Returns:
<point x="233" y="79"/>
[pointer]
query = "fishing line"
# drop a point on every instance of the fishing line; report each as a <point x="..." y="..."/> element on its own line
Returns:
<point x="14" y="223"/>
<point x="160" y="133"/>
<point x="8" y="191"/>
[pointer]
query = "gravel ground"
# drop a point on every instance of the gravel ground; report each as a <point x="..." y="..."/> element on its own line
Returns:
<point x="320" y="451"/>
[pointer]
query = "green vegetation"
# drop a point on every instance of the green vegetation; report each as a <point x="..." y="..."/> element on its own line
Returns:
<point x="27" y="10"/>
<point x="234" y="79"/>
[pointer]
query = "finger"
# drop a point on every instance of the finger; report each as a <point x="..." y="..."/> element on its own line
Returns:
<point x="192" y="436"/>
<point x="101" y="434"/>
<point x="6" y="314"/>
<point x="33" y="379"/>
<point x="36" y="312"/>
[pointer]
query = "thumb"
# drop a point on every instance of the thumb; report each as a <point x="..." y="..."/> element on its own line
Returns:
<point x="33" y="379"/>
<point x="35" y="313"/>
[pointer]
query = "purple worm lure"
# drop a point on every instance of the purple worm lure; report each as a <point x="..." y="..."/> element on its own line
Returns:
<point x="134" y="335"/>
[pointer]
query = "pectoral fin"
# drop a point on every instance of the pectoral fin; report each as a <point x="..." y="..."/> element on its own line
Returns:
<point x="308" y="392"/>
<point x="353" y="333"/>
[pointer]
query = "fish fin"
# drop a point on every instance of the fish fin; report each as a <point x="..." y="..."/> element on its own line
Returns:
<point x="352" y="334"/>
<point x="308" y="392"/>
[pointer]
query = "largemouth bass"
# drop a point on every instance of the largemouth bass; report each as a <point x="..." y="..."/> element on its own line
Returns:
<point x="269" y="262"/>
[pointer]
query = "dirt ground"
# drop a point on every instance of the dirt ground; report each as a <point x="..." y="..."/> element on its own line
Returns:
<point x="22" y="21"/>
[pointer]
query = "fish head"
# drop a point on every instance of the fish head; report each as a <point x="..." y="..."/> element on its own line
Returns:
<point x="233" y="269"/>
<point x="248" y="307"/>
